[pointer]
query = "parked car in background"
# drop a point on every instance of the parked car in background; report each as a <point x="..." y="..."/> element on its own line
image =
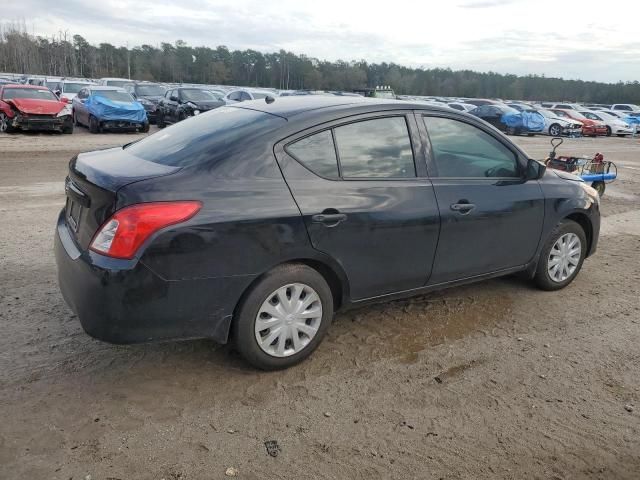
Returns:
<point x="184" y="102"/>
<point x="69" y="88"/>
<point x="566" y="106"/>
<point x="557" y="126"/>
<point x="590" y="128"/>
<point x="245" y="223"/>
<point x="243" y="94"/>
<point x="521" y="107"/>
<point x="114" y="82"/>
<point x="52" y="83"/>
<point x="627" y="107"/>
<point x="614" y="125"/>
<point x="149" y="95"/>
<point x="101" y="108"/>
<point x="34" y="108"/>
<point x="626" y="117"/>
<point x="478" y="102"/>
<point x="494" y="113"/>
<point x="463" y="107"/>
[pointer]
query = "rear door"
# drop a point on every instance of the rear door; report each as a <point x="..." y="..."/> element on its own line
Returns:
<point x="365" y="200"/>
<point x="491" y="218"/>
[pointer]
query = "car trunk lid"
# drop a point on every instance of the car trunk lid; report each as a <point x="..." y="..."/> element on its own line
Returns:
<point x="93" y="183"/>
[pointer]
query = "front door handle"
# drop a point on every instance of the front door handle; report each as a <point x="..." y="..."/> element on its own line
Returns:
<point x="329" y="219"/>
<point x="462" y="208"/>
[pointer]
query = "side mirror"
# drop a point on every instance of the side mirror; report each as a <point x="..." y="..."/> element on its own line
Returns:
<point x="57" y="93"/>
<point x="64" y="99"/>
<point x="535" y="170"/>
<point x="173" y="98"/>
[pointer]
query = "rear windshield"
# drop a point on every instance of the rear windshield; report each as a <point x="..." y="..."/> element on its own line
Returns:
<point x="10" y="93"/>
<point x="205" y="137"/>
<point x="114" y="95"/>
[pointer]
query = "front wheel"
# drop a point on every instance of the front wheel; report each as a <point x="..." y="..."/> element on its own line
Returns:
<point x="67" y="126"/>
<point x="5" y="126"/>
<point x="562" y="256"/>
<point x="283" y="318"/>
<point x="555" y="130"/>
<point x="160" y="119"/>
<point x="145" y="127"/>
<point x="599" y="187"/>
<point x="608" y="131"/>
<point x="94" y="125"/>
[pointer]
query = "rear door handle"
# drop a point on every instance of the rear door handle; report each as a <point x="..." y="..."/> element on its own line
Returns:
<point x="329" y="219"/>
<point x="462" y="208"/>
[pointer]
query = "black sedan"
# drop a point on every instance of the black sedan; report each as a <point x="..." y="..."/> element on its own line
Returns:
<point x="256" y="222"/>
<point x="183" y="102"/>
<point x="149" y="95"/>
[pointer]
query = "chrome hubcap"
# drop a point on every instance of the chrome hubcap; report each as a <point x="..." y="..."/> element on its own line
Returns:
<point x="288" y="320"/>
<point x="564" y="257"/>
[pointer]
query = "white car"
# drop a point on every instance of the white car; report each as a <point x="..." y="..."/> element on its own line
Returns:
<point x="615" y="126"/>
<point x="463" y="107"/>
<point x="69" y="88"/>
<point x="625" y="117"/>
<point x="114" y="82"/>
<point x="627" y="107"/>
<point x="243" y="94"/>
<point x="557" y="126"/>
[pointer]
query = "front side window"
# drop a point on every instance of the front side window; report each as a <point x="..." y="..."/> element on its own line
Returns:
<point x="378" y="148"/>
<point x="317" y="153"/>
<point x="463" y="150"/>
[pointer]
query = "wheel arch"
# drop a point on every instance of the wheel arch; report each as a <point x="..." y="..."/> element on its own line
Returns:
<point x="583" y="220"/>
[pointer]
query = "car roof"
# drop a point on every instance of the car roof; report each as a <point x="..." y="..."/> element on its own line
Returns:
<point x="290" y="106"/>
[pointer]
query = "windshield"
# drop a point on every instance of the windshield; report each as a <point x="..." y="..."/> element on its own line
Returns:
<point x="118" y="83"/>
<point x="114" y="95"/>
<point x="68" y="87"/>
<point x="211" y="136"/>
<point x="591" y="116"/>
<point x="37" y="94"/>
<point x="150" y="91"/>
<point x="197" y="95"/>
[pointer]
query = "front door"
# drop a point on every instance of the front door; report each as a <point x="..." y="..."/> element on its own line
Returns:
<point x="364" y="202"/>
<point x="491" y="218"/>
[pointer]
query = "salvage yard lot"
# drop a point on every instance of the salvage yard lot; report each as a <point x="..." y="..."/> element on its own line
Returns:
<point x="493" y="380"/>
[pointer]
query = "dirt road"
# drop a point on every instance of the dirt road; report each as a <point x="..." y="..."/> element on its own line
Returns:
<point x="494" y="380"/>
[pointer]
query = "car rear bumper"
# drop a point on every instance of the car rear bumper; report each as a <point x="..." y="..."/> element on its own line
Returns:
<point x="123" y="301"/>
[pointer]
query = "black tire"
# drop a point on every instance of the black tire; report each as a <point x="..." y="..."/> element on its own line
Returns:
<point x="555" y="130"/>
<point x="4" y="124"/>
<point x="600" y="187"/>
<point x="145" y="127"/>
<point x="75" y="119"/>
<point x="67" y="126"/>
<point x="621" y="135"/>
<point x="94" y="125"/>
<point x="243" y="329"/>
<point x="608" y="131"/>
<point x="542" y="278"/>
<point x="160" y="120"/>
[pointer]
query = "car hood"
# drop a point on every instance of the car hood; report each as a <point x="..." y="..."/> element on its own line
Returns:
<point x="567" y="176"/>
<point x="37" y="107"/>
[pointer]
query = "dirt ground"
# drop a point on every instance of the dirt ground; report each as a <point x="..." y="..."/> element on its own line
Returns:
<point x="493" y="380"/>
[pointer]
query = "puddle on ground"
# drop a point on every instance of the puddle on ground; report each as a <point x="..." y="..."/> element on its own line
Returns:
<point x="402" y="329"/>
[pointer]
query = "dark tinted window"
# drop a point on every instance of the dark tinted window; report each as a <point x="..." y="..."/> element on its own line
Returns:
<point x="234" y="96"/>
<point x="563" y="106"/>
<point x="456" y="106"/>
<point x="462" y="150"/>
<point x="245" y="96"/>
<point x="207" y="137"/>
<point x="375" y="149"/>
<point x="317" y="153"/>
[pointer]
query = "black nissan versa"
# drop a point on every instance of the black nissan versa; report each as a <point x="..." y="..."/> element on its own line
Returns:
<point x="257" y="221"/>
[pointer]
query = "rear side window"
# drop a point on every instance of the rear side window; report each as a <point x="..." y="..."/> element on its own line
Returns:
<point x="205" y="138"/>
<point x="378" y="148"/>
<point x="317" y="153"/>
<point x="462" y="150"/>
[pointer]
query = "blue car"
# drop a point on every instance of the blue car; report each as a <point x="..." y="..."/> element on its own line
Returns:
<point x="108" y="108"/>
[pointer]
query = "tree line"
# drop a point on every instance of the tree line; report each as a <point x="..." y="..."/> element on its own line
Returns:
<point x="65" y="54"/>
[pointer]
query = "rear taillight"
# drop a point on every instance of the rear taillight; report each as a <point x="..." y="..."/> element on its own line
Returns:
<point x="122" y="235"/>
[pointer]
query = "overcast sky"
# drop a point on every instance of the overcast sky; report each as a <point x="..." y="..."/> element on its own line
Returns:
<point x="580" y="40"/>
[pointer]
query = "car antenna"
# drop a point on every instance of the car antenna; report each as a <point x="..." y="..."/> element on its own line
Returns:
<point x="269" y="99"/>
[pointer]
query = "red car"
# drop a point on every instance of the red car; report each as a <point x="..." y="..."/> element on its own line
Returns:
<point x="590" y="128"/>
<point x="31" y="107"/>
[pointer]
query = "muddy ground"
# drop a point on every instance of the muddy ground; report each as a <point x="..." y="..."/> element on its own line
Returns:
<point x="493" y="380"/>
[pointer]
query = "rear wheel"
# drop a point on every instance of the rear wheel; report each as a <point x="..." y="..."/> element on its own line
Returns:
<point x="94" y="125"/>
<point x="608" y="131"/>
<point x="562" y="256"/>
<point x="160" y="119"/>
<point x="283" y="318"/>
